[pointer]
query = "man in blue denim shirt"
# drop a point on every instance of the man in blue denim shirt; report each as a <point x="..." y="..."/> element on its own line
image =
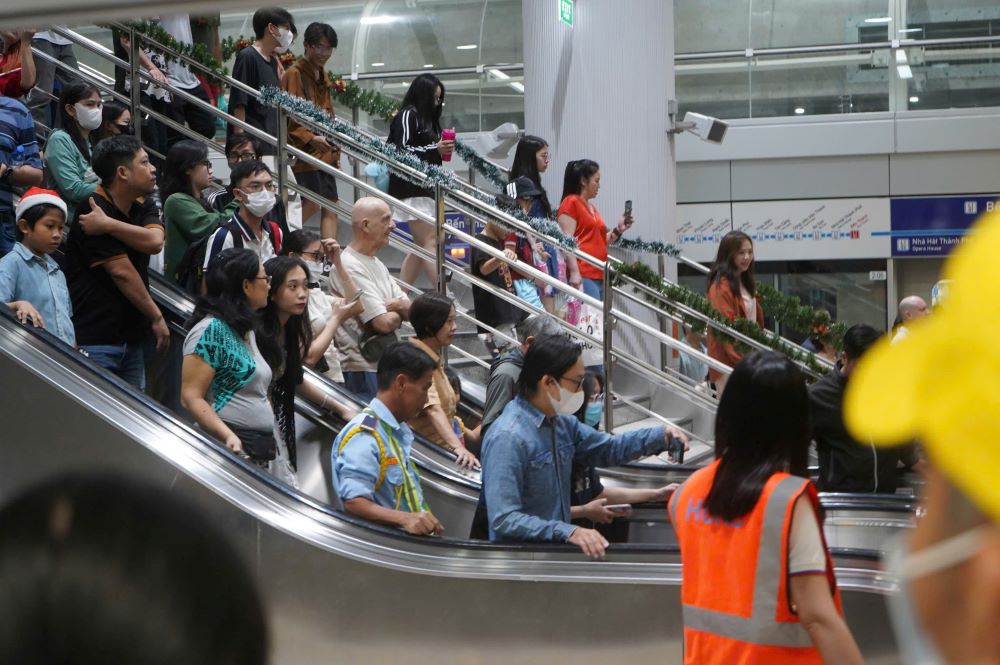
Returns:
<point x="373" y="473"/>
<point x="529" y="451"/>
<point x="17" y="129"/>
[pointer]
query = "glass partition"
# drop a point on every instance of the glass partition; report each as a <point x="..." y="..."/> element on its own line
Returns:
<point x="783" y="23"/>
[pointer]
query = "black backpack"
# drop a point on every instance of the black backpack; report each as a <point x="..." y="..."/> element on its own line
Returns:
<point x="191" y="269"/>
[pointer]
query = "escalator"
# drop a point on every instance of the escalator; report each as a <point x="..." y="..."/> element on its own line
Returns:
<point x="852" y="521"/>
<point x="342" y="590"/>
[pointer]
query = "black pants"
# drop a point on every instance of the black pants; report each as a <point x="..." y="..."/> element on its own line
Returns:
<point x="182" y="111"/>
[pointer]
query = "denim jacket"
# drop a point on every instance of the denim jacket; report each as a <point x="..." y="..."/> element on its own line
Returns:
<point x="527" y="463"/>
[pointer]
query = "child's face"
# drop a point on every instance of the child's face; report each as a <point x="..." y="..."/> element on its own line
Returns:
<point x="47" y="234"/>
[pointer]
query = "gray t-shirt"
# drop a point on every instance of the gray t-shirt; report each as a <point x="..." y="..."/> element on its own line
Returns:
<point x="238" y="392"/>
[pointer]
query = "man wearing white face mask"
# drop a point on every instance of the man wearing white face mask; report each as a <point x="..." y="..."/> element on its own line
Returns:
<point x="257" y="67"/>
<point x="939" y="386"/>
<point x="529" y="450"/>
<point x="254" y="188"/>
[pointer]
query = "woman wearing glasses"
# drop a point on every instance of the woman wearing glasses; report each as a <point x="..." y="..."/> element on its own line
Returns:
<point x="188" y="217"/>
<point x="225" y="379"/>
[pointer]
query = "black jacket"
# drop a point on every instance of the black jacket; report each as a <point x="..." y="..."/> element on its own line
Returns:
<point x="409" y="132"/>
<point x="847" y="465"/>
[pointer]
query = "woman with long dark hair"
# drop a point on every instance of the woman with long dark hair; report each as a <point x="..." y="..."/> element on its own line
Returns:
<point x="115" y="119"/>
<point x="417" y="129"/>
<point x="578" y="217"/>
<point x="326" y="312"/>
<point x="187" y="171"/>
<point x="225" y="379"/>
<point x="432" y="316"/>
<point x="732" y="290"/>
<point x="749" y="528"/>
<point x="531" y="160"/>
<point x="67" y="153"/>
<point x="286" y="340"/>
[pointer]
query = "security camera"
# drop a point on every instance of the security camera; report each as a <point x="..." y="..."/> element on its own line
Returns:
<point x="704" y="127"/>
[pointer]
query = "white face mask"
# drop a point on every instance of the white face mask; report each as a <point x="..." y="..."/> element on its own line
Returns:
<point x="260" y="203"/>
<point x="88" y="118"/>
<point x="315" y="269"/>
<point x="915" y="645"/>
<point x="285" y="39"/>
<point x="568" y="402"/>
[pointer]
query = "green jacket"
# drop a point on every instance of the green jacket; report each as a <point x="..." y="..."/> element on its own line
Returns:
<point x="70" y="171"/>
<point x="188" y="221"/>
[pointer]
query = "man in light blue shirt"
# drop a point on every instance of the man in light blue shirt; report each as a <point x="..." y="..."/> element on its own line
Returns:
<point x="29" y="274"/>
<point x="691" y="367"/>
<point x="529" y="451"/>
<point x="373" y="473"/>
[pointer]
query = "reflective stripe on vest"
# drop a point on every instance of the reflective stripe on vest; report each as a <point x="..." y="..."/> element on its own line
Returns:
<point x="761" y="628"/>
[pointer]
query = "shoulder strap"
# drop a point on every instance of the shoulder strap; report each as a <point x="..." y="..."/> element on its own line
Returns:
<point x="276" y="238"/>
<point x="369" y="425"/>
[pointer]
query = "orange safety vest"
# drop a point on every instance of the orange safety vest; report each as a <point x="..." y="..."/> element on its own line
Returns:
<point x="735" y="595"/>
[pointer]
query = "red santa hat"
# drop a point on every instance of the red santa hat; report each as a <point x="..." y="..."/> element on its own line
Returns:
<point x="37" y="196"/>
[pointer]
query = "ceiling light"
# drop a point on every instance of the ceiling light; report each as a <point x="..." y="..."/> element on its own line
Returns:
<point x="428" y="66"/>
<point x="503" y="76"/>
<point x="377" y="20"/>
<point x="914" y="100"/>
<point x="799" y="110"/>
<point x="904" y="72"/>
<point x="900" y="57"/>
<point x="907" y="31"/>
<point x="467" y="47"/>
<point x="879" y="19"/>
<point x="378" y="64"/>
<point x="518" y="86"/>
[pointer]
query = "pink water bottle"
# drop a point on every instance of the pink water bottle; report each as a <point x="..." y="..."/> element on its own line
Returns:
<point x="447" y="135"/>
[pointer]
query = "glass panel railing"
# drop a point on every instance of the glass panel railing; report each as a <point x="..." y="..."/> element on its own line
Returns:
<point x="953" y="76"/>
<point x="782" y="23"/>
<point x="719" y="88"/>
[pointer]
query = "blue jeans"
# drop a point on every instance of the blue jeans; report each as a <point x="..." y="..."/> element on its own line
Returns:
<point x="593" y="288"/>
<point x="125" y="360"/>
<point x="362" y="384"/>
<point x="8" y="233"/>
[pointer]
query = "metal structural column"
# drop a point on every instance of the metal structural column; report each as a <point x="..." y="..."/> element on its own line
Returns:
<point x="135" y="94"/>
<point x="281" y="158"/>
<point x="600" y="90"/>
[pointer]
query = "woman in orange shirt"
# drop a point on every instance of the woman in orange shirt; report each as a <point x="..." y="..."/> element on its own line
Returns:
<point x="732" y="290"/>
<point x="579" y="218"/>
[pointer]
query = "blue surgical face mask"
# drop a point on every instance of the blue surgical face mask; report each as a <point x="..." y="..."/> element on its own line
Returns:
<point x="592" y="416"/>
<point x="916" y="647"/>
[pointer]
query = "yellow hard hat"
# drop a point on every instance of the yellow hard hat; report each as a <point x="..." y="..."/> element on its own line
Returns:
<point x="941" y="383"/>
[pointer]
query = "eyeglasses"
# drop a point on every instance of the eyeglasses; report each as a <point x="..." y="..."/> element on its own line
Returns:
<point x="315" y="256"/>
<point x="243" y="156"/>
<point x="255" y="187"/>
<point x="207" y="163"/>
<point x="575" y="382"/>
<point x="597" y="399"/>
<point x="266" y="278"/>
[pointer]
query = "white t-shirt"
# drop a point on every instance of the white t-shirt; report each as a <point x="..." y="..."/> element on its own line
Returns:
<point x="262" y="246"/>
<point x="371" y="276"/>
<point x="179" y="27"/>
<point x="320" y="309"/>
<point x="805" y="544"/>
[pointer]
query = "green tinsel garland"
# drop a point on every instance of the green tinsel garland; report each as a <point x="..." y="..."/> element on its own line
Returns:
<point x="645" y="275"/>
<point x="200" y="53"/>
<point x="790" y="311"/>
<point x="490" y="171"/>
<point x="650" y="246"/>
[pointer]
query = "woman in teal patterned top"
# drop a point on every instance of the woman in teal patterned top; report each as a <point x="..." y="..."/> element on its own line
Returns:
<point x="225" y="379"/>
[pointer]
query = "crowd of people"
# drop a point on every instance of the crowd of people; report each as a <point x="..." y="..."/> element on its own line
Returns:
<point x="273" y="299"/>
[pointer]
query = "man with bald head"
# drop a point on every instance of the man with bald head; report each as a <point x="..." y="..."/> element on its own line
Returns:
<point x="910" y="309"/>
<point x="386" y="306"/>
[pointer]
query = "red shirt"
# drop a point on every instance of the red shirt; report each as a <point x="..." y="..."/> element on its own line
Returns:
<point x="591" y="234"/>
<point x="10" y="73"/>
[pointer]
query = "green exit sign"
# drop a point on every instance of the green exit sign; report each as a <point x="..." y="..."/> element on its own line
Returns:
<point x="566" y="12"/>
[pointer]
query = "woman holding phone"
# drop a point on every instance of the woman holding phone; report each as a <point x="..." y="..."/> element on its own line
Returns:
<point x="326" y="312"/>
<point x="578" y="217"/>
<point x="417" y="129"/>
